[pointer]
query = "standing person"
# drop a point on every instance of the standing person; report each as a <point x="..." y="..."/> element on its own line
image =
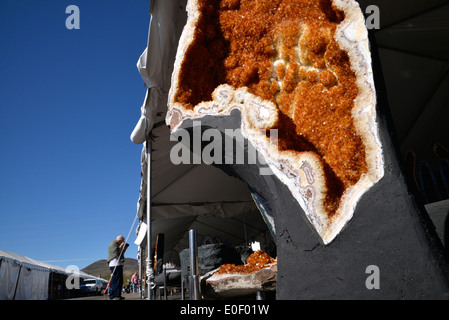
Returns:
<point x="134" y="282"/>
<point x="116" y="261"/>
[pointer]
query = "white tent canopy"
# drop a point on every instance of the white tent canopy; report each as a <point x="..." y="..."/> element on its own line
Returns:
<point x="23" y="278"/>
<point x="195" y="196"/>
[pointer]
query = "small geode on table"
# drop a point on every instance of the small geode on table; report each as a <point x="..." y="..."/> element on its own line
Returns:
<point x="215" y="286"/>
<point x="258" y="274"/>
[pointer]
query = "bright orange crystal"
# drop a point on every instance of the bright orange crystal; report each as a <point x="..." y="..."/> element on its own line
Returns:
<point x="256" y="261"/>
<point x="237" y="41"/>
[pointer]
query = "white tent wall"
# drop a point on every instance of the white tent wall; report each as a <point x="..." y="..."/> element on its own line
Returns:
<point x="23" y="278"/>
<point x="20" y="280"/>
<point x="32" y="285"/>
<point x="9" y="276"/>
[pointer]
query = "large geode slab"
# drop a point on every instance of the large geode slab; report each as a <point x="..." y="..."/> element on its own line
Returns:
<point x="302" y="67"/>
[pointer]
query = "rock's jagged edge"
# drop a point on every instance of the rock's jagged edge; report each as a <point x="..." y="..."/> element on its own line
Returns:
<point x="301" y="173"/>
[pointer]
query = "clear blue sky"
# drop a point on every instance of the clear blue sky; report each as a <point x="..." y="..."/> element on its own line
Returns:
<point x="69" y="100"/>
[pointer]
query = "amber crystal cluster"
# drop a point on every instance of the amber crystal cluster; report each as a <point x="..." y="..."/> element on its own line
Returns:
<point x="254" y="44"/>
<point x="256" y="261"/>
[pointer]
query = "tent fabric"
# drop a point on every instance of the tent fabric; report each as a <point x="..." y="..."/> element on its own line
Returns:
<point x="141" y="233"/>
<point x="150" y="110"/>
<point x="23" y="278"/>
<point x="29" y="263"/>
<point x="238" y="230"/>
<point x="37" y="265"/>
<point x="155" y="65"/>
<point x="9" y="275"/>
<point x="223" y="210"/>
<point x="423" y="34"/>
<point x="32" y="285"/>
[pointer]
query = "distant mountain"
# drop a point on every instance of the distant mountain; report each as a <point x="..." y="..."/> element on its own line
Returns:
<point x="100" y="268"/>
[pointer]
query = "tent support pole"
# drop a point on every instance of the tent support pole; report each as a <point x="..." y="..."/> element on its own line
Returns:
<point x="139" y="252"/>
<point x="150" y="271"/>
<point x="194" y="279"/>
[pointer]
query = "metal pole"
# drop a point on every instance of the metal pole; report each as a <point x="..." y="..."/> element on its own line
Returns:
<point x="194" y="281"/>
<point x="139" y="283"/>
<point x="244" y="229"/>
<point x="150" y="271"/>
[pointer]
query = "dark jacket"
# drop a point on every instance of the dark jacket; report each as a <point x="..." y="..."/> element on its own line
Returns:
<point x="114" y="250"/>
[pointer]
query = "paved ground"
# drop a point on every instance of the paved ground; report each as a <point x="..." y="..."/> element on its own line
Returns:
<point x="127" y="296"/>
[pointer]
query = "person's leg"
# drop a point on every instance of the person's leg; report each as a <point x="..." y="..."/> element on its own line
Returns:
<point x="113" y="283"/>
<point x="119" y="271"/>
